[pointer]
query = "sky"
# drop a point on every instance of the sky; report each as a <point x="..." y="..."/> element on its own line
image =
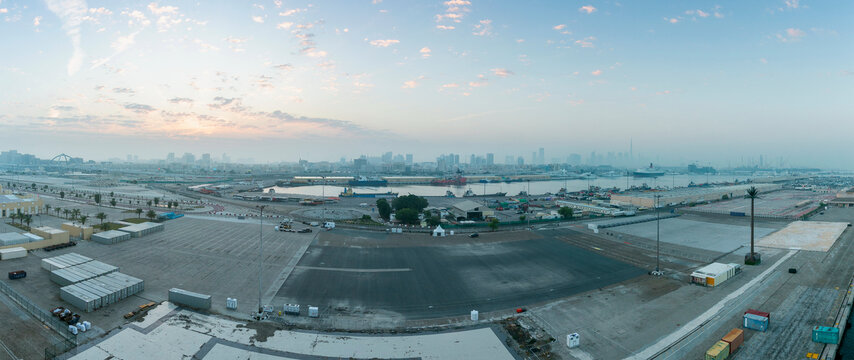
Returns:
<point x="682" y="81"/>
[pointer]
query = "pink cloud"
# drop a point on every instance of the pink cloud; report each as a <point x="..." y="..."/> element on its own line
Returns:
<point x="384" y="43"/>
<point x="586" y="42"/>
<point x="502" y="72"/>
<point x="791" y="35"/>
<point x="483" y="29"/>
<point x="559" y="27"/>
<point x="258" y="19"/>
<point x="587" y="8"/>
<point x="672" y="20"/>
<point x="445" y="27"/>
<point x="409" y="84"/>
<point x="596" y="72"/>
<point x="451" y="85"/>
<point x="425" y="52"/>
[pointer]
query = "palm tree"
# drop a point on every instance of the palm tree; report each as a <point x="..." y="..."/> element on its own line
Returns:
<point x="58" y="210"/>
<point x="21" y="216"/>
<point x="47" y="209"/>
<point x="101" y="216"/>
<point x="149" y="203"/>
<point x="83" y="219"/>
<point x="13" y="216"/>
<point x="75" y="213"/>
<point x="752" y="194"/>
<point x="28" y="219"/>
<point x="66" y="211"/>
<point x="156" y="201"/>
<point x="138" y="213"/>
<point x="151" y="214"/>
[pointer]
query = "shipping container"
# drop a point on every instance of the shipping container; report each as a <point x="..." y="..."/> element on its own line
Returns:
<point x="85" y="271"/>
<point x="825" y="335"/>
<point x="20" y="274"/>
<point x="313" y="311"/>
<point x="760" y="313"/>
<point x="63" y="261"/>
<point x="718" y="351"/>
<point x="291" y="309"/>
<point x="714" y="274"/>
<point x="190" y="299"/>
<point x="13" y="253"/>
<point x="735" y="338"/>
<point x="139" y="230"/>
<point x="755" y="322"/>
<point x="110" y="237"/>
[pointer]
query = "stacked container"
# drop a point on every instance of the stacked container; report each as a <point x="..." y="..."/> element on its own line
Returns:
<point x="760" y="313"/>
<point x="313" y="311"/>
<point x="734" y="338"/>
<point x="110" y="237"/>
<point x="93" y="294"/>
<point x="12" y="253"/>
<point x="85" y="271"/>
<point x="140" y="230"/>
<point x="190" y="299"/>
<point x="64" y="261"/>
<point x="714" y="274"/>
<point x="755" y="322"/>
<point x="719" y="351"/>
<point x="291" y="309"/>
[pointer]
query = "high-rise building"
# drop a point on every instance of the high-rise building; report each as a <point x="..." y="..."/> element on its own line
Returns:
<point x="520" y="161"/>
<point x="408" y="159"/>
<point x="541" y="158"/>
<point x="361" y="163"/>
<point x="387" y="157"/>
<point x="189" y="159"/>
<point x="170" y="158"/>
<point x="206" y="160"/>
<point x="490" y="159"/>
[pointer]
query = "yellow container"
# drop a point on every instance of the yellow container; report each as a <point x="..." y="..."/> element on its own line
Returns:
<point x="710" y="281"/>
<point x="719" y="351"/>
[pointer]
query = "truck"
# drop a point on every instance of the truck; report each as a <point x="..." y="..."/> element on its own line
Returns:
<point x="18" y="274"/>
<point x="329" y="225"/>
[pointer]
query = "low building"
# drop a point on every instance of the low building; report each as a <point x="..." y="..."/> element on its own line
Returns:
<point x="844" y="198"/>
<point x="139" y="230"/>
<point x="78" y="230"/>
<point x="12" y="204"/>
<point x="468" y="210"/>
<point x="50" y="233"/>
<point x="688" y="195"/>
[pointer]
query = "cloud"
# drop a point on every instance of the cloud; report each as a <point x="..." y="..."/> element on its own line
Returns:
<point x="483" y="29"/>
<point x="180" y="100"/>
<point x="205" y="46"/>
<point x="445" y="27"/>
<point x="586" y="42"/>
<point x="291" y="12"/>
<point x="100" y="11"/>
<point x="4" y="10"/>
<point x="596" y="72"/>
<point x="139" y="108"/>
<point x="454" y="11"/>
<point x="136" y="16"/>
<point x="480" y="83"/>
<point x="409" y="84"/>
<point x="763" y="60"/>
<point x="559" y="27"/>
<point x="330" y="123"/>
<point x="285" y="25"/>
<point x="792" y="4"/>
<point x="501" y="72"/>
<point x="672" y="20"/>
<point x="285" y="67"/>
<point x="71" y="14"/>
<point x="384" y="43"/>
<point x="124" y="91"/>
<point x="791" y="35"/>
<point x="162" y="10"/>
<point x="587" y="9"/>
<point x="121" y="44"/>
<point x="425" y="52"/>
<point x="63" y="108"/>
<point x="450" y="86"/>
<point x="258" y="19"/>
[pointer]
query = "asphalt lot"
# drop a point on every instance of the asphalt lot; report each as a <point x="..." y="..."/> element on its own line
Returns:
<point x="721" y="238"/>
<point x="422" y="282"/>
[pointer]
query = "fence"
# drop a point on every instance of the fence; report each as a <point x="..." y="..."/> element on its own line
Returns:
<point x="68" y="341"/>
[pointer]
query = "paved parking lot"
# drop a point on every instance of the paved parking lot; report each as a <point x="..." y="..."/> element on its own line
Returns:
<point x="718" y="237"/>
<point x="449" y="279"/>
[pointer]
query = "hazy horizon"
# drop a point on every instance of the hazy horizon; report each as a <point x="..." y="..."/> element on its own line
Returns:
<point x="706" y="83"/>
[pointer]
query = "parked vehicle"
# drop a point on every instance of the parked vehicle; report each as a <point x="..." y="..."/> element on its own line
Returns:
<point x="19" y="274"/>
<point x="474" y="235"/>
<point x="303" y="231"/>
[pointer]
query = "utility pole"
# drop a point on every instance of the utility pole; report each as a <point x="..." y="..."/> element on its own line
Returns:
<point x="260" y="256"/>
<point x="657" y="235"/>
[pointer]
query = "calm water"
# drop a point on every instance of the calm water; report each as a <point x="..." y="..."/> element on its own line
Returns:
<point x="536" y="187"/>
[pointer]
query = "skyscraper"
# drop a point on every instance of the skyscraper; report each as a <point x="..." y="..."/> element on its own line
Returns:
<point x="490" y="159"/>
<point x="541" y="158"/>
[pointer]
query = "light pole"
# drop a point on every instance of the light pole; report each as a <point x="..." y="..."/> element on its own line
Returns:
<point x="657" y="235"/>
<point x="260" y="256"/>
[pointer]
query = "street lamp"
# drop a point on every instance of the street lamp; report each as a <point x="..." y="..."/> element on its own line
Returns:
<point x="657" y="235"/>
<point x="260" y="255"/>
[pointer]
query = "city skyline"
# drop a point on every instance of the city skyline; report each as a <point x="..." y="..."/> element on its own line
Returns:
<point x="280" y="81"/>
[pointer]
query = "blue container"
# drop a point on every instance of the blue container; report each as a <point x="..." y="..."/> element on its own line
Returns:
<point x="755" y="322"/>
<point x="20" y="274"/>
<point x="737" y="213"/>
<point x="825" y="335"/>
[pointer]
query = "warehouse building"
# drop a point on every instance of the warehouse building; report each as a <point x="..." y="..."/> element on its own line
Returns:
<point x="49" y="233"/>
<point x="77" y="273"/>
<point x="64" y="261"/>
<point x="78" y="230"/>
<point x="140" y="230"/>
<point x="689" y="195"/>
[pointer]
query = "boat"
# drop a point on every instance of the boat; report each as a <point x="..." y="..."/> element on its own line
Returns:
<point x="348" y="192"/>
<point x="470" y="193"/>
<point x="648" y="172"/>
<point x="449" y="194"/>
<point x="455" y="181"/>
<point x="587" y="176"/>
<point x="365" y="181"/>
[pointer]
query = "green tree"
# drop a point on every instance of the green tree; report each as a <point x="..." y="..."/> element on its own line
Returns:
<point x="98" y="199"/>
<point x="75" y="213"/>
<point x="151" y="214"/>
<point x="565" y="212"/>
<point x="28" y="219"/>
<point x="434" y="220"/>
<point x="522" y="217"/>
<point x="113" y="202"/>
<point x="66" y="211"/>
<point x="101" y="216"/>
<point x="725" y="197"/>
<point x="47" y="209"/>
<point x="58" y="210"/>
<point x="13" y="216"/>
<point x="410" y="201"/>
<point x="156" y="201"/>
<point x="83" y="219"/>
<point x="111" y="194"/>
<point x="62" y="194"/>
<point x="407" y="216"/>
<point x="138" y="213"/>
<point x="384" y="209"/>
<point x="493" y="224"/>
<point x="752" y="194"/>
<point x="149" y="203"/>
<point x="169" y="205"/>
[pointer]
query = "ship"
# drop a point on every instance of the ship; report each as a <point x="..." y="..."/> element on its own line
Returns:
<point x="348" y="192"/>
<point x="470" y="193"/>
<point x="365" y="181"/>
<point x="648" y="172"/>
<point x="449" y="194"/>
<point x="454" y="181"/>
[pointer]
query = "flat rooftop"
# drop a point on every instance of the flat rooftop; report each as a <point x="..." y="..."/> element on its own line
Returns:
<point x="805" y="235"/>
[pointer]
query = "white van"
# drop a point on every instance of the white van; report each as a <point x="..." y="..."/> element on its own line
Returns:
<point x="329" y="225"/>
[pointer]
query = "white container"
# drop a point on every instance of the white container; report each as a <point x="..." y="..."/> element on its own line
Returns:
<point x="313" y="311"/>
<point x="474" y="315"/>
<point x="231" y="304"/>
<point x="72" y="329"/>
<point x="12" y="253"/>
<point x="81" y="327"/>
<point x="452" y="232"/>
<point x="291" y="309"/>
<point x="88" y="325"/>
<point x="573" y="340"/>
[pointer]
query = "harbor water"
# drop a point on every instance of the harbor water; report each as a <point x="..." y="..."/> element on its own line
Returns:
<point x="512" y="189"/>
